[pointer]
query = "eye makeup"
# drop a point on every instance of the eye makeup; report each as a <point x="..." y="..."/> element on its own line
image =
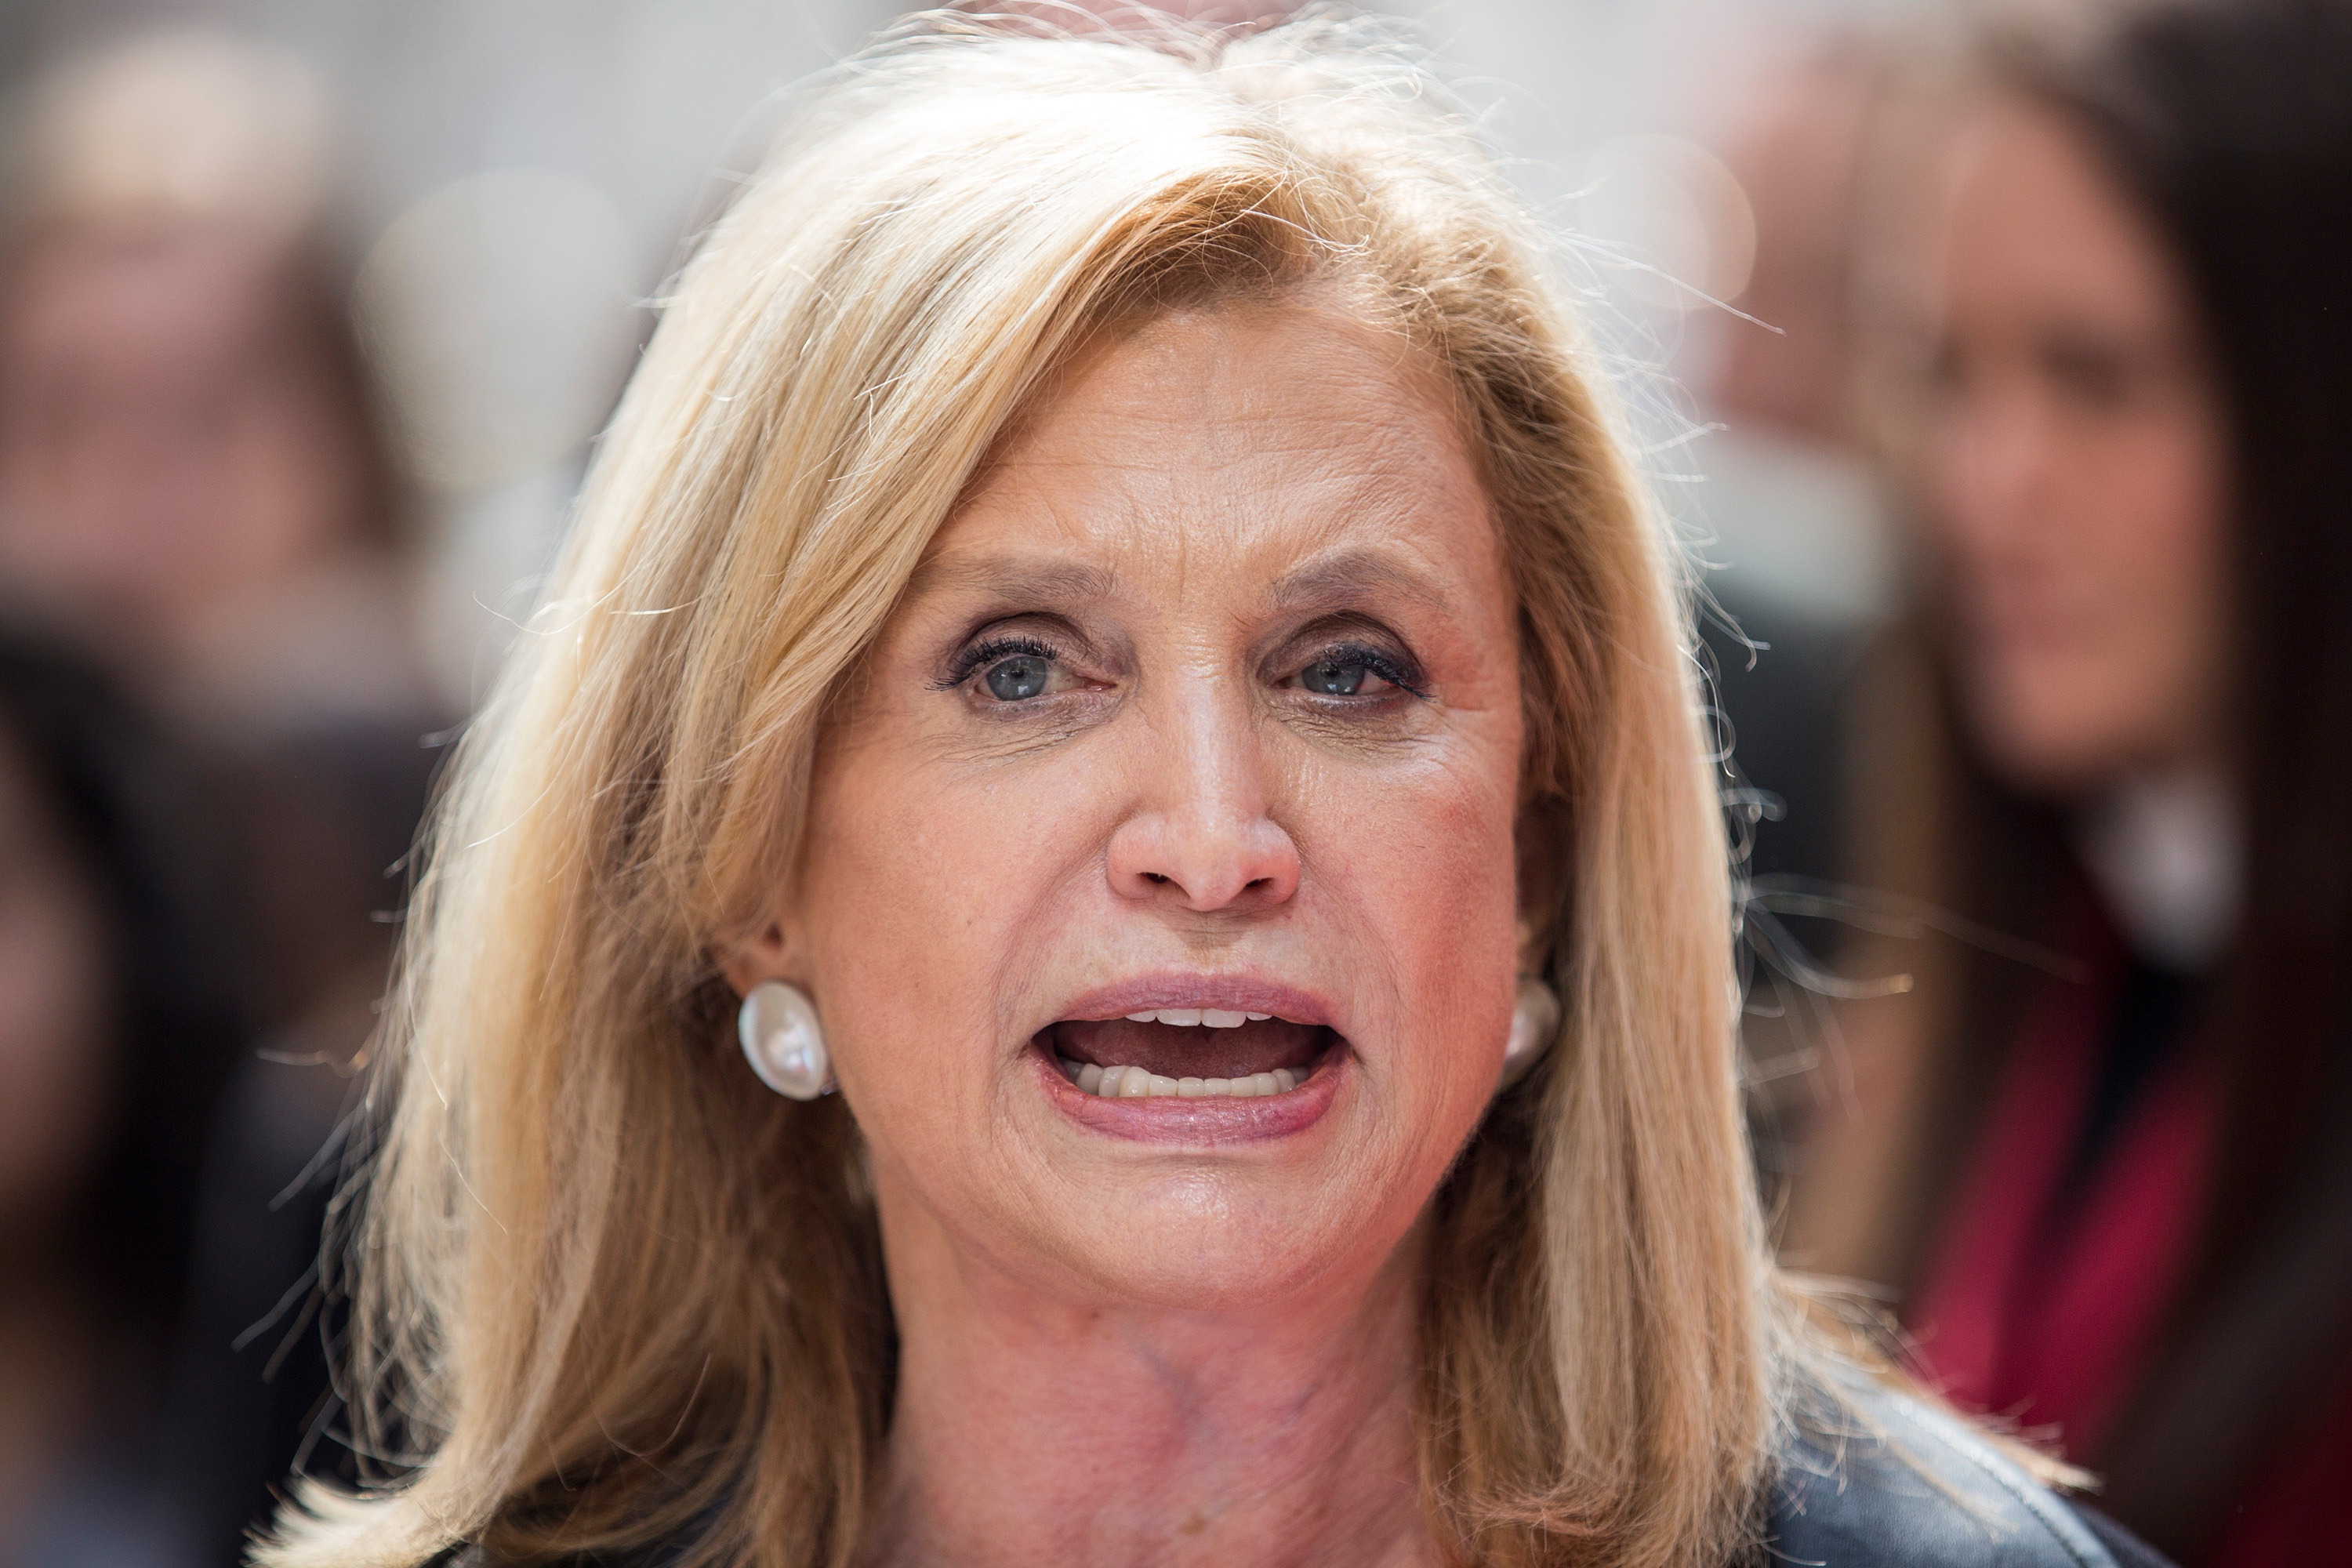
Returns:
<point x="1328" y="660"/>
<point x="974" y="657"/>
<point x="1400" y="672"/>
<point x="1350" y="639"/>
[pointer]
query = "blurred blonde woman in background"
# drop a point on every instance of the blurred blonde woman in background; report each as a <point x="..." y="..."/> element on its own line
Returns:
<point x="1114" y="658"/>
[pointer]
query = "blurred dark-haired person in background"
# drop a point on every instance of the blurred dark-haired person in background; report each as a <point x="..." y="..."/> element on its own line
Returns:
<point x="119" y="1023"/>
<point x="2109" y="1165"/>
<point x="195" y="478"/>
<point x="193" y="473"/>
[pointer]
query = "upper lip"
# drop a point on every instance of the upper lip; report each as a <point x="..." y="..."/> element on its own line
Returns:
<point x="1176" y="988"/>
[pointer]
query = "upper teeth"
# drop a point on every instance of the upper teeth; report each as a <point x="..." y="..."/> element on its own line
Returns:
<point x="1214" y="1018"/>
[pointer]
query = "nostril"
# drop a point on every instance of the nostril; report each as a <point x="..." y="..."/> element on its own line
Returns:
<point x="1205" y="865"/>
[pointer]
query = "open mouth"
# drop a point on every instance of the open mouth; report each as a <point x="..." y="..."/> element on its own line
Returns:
<point x="1190" y="1053"/>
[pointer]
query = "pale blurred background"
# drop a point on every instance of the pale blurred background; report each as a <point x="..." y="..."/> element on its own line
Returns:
<point x="509" y="182"/>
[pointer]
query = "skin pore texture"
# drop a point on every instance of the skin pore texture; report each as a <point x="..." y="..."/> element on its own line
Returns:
<point x="1207" y="695"/>
<point x="2077" y="472"/>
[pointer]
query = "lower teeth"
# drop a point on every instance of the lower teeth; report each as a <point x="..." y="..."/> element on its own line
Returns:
<point x="1136" y="1083"/>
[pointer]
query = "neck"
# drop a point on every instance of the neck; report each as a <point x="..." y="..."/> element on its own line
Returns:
<point x="1033" y="1428"/>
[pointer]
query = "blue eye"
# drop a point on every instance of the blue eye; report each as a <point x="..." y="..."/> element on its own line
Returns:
<point x="1355" y="672"/>
<point x="1018" y="679"/>
<point x="1334" y="677"/>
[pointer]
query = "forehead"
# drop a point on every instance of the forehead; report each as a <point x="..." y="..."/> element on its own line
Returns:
<point x="1232" y="435"/>
<point x="2028" y="207"/>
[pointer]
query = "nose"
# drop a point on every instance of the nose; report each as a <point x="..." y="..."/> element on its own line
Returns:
<point x="1203" y="836"/>
<point x="1996" y="472"/>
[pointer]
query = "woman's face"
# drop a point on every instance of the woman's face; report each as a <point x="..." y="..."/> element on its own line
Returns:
<point x="2076" y="468"/>
<point x="169" y="452"/>
<point x="1203" y="706"/>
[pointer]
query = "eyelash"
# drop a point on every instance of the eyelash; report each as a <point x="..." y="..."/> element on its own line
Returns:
<point x="1400" y="673"/>
<point x="978" y="657"/>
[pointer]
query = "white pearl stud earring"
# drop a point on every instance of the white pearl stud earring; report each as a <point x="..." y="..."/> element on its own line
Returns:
<point x="1535" y="1024"/>
<point x="784" y="1041"/>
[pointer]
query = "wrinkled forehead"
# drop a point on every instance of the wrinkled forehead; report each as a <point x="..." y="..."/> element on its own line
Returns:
<point x="1241" y="432"/>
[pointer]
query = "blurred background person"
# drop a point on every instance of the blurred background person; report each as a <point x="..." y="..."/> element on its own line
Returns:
<point x="2104" y="1151"/>
<point x="193" y="476"/>
<point x="192" y="473"/>
<point x="119" y="1023"/>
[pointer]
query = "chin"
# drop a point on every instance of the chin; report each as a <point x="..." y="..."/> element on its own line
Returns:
<point x="2053" y="729"/>
<point x="1205" y="1242"/>
<point x="1198" y="1205"/>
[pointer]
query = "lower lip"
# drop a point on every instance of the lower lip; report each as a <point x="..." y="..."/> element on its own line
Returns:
<point x="1172" y="1119"/>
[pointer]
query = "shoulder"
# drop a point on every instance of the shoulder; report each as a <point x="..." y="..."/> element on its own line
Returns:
<point x="1871" y="1476"/>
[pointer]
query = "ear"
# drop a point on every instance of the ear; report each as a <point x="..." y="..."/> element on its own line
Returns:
<point x="766" y="955"/>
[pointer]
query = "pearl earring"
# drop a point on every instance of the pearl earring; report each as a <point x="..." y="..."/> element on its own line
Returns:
<point x="1535" y="1024"/>
<point x="784" y="1041"/>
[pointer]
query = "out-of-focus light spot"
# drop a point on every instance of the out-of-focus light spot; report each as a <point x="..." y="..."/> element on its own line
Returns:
<point x="498" y="312"/>
<point x="182" y="123"/>
<point x="1675" y="216"/>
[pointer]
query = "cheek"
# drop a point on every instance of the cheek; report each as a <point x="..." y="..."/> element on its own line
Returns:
<point x="2148" y="554"/>
<point x="923" y="905"/>
<point x="2148" y="490"/>
<point x="1426" y="864"/>
<point x="2105" y="646"/>
<point x="2180" y="548"/>
<point x="887" y="943"/>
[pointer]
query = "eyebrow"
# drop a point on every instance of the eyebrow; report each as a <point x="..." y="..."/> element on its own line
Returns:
<point x="1012" y="577"/>
<point x="1344" y="574"/>
<point x="1349" y="572"/>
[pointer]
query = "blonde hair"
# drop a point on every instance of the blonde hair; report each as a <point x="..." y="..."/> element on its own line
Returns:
<point x="607" y="1289"/>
